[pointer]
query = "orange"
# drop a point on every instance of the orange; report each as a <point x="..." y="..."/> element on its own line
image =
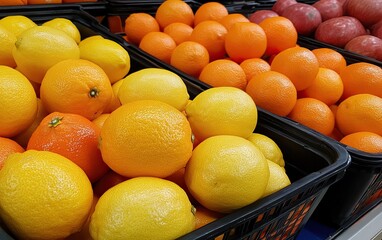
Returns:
<point x="76" y="86"/>
<point x="273" y="92"/>
<point x="31" y="2"/>
<point x="205" y="216"/>
<point x="77" y="1"/>
<point x="362" y="77"/>
<point x="336" y="133"/>
<point x="254" y="66"/>
<point x="224" y="72"/>
<point x="13" y="2"/>
<point x="100" y="120"/>
<point x="146" y="138"/>
<point x="7" y="147"/>
<point x="313" y="113"/>
<point x="329" y="58"/>
<point x="114" y="102"/>
<point x="281" y="34"/>
<point x="299" y="64"/>
<point x="174" y="11"/>
<point x="360" y="112"/>
<point x="158" y="44"/>
<point x="114" y="24"/>
<point x="180" y="32"/>
<point x="178" y="178"/>
<point x="211" y="35"/>
<point x="210" y="11"/>
<point x="190" y="57"/>
<point x="364" y="141"/>
<point x="231" y="19"/>
<point x="327" y="87"/>
<point x="108" y="180"/>
<point x="245" y="40"/>
<point x="72" y="136"/>
<point x="137" y="25"/>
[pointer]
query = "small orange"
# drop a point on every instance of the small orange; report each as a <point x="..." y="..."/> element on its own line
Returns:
<point x="174" y="11"/>
<point x="205" y="216"/>
<point x="362" y="77"/>
<point x="245" y="40"/>
<point x="364" y="141"/>
<point x="336" y="133"/>
<point x="7" y="147"/>
<point x="224" y="72"/>
<point x="273" y="91"/>
<point x="31" y="2"/>
<point x="281" y="34"/>
<point x="137" y="25"/>
<point x="299" y="64"/>
<point x="327" y="87"/>
<point x="100" y="120"/>
<point x="210" y="11"/>
<point x="211" y="35"/>
<point x="231" y="19"/>
<point x="72" y="136"/>
<point x="190" y="57"/>
<point x="13" y="2"/>
<point x="108" y="180"/>
<point x="329" y="58"/>
<point x="180" y="32"/>
<point x="313" y="113"/>
<point x="254" y="66"/>
<point x="158" y="44"/>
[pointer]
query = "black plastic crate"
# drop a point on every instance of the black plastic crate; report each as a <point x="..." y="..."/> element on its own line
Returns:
<point x="313" y="163"/>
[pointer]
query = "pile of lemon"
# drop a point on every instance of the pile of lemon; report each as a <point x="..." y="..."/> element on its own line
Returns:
<point x="150" y="130"/>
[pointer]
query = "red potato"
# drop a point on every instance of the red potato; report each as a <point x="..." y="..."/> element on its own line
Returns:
<point x="280" y="5"/>
<point x="258" y="16"/>
<point x="376" y="29"/>
<point x="339" y="31"/>
<point x="366" y="45"/>
<point x="368" y="12"/>
<point x="304" y="17"/>
<point x="329" y="9"/>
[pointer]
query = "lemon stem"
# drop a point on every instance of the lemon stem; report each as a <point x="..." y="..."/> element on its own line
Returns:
<point x="55" y="122"/>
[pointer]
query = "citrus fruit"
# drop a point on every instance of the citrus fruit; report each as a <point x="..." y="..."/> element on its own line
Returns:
<point x="65" y="25"/>
<point x="364" y="141"/>
<point x="39" y="48"/>
<point x="268" y="147"/>
<point x="254" y="66"/>
<point x="51" y="198"/>
<point x="205" y="216"/>
<point x="137" y="25"/>
<point x="44" y="1"/>
<point x="13" y="2"/>
<point x="226" y="173"/>
<point x="174" y="11"/>
<point x="17" y="24"/>
<point x="210" y="11"/>
<point x="114" y="102"/>
<point x="7" y="147"/>
<point x="146" y="138"/>
<point x="18" y="102"/>
<point x="100" y="120"/>
<point x="154" y="84"/>
<point x="329" y="58"/>
<point x="7" y="42"/>
<point x="159" y="44"/>
<point x="180" y="32"/>
<point x="143" y="208"/>
<point x="278" y="179"/>
<point x="232" y="18"/>
<point x="222" y="111"/>
<point x="107" y="181"/>
<point x="76" y="86"/>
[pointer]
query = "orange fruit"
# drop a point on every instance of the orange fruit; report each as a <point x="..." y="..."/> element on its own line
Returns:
<point x="364" y="141"/>
<point x="108" y="180"/>
<point x="327" y="87"/>
<point x="158" y="44"/>
<point x="360" y="112"/>
<point x="224" y="72"/>
<point x="362" y="77"/>
<point x="299" y="64"/>
<point x="7" y="147"/>
<point x="273" y="92"/>
<point x="137" y="25"/>
<point x="329" y="58"/>
<point x="72" y="136"/>
<point x="254" y="66"/>
<point x="13" y="2"/>
<point x="178" y="178"/>
<point x="211" y="35"/>
<point x="180" y="32"/>
<point x="31" y="2"/>
<point x="336" y="133"/>
<point x="232" y="18"/>
<point x="313" y="113"/>
<point x="245" y="40"/>
<point x="210" y="11"/>
<point x="76" y="86"/>
<point x="190" y="57"/>
<point x="281" y="34"/>
<point x="205" y="216"/>
<point x="100" y="120"/>
<point x="174" y="11"/>
<point x="114" y="102"/>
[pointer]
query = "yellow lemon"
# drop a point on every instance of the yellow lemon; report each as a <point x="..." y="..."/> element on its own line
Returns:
<point x="65" y="25"/>
<point x="109" y="55"/>
<point x="268" y="147"/>
<point x="43" y="195"/>
<point x="278" y="179"/>
<point x="222" y="110"/>
<point x="226" y="173"/>
<point x="114" y="102"/>
<point x="7" y="42"/>
<point x="154" y="84"/>
<point x="143" y="208"/>
<point x="17" y="24"/>
<point x="39" y="48"/>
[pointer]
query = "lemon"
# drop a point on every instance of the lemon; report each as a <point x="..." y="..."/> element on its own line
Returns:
<point x="268" y="147"/>
<point x="7" y="42"/>
<point x="109" y="55"/>
<point x="65" y="25"/>
<point x="39" y="48"/>
<point x="17" y="24"/>
<point x="154" y="84"/>
<point x="220" y="111"/>
<point x="278" y="179"/>
<point x="226" y="173"/>
<point x="114" y="102"/>
<point x="143" y="208"/>
<point x="43" y="195"/>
